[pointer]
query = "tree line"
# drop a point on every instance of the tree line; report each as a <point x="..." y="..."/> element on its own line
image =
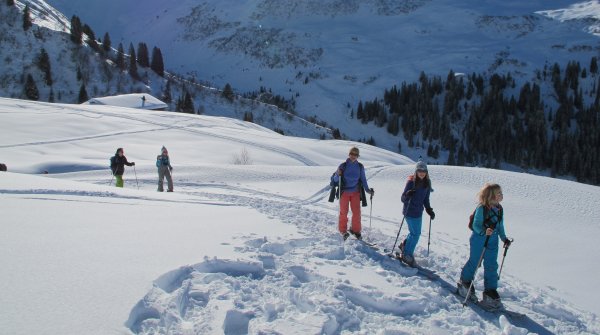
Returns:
<point x="78" y="34"/>
<point x="482" y="121"/>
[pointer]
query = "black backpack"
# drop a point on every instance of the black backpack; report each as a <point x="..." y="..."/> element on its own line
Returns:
<point x="113" y="163"/>
<point x="486" y="217"/>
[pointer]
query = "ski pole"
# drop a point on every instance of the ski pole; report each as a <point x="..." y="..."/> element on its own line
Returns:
<point x="487" y="238"/>
<point x="504" y="256"/>
<point x="112" y="176"/>
<point x="339" y="196"/>
<point x="136" y="180"/>
<point x="371" y="212"/>
<point x="399" y="230"/>
<point x="429" y="237"/>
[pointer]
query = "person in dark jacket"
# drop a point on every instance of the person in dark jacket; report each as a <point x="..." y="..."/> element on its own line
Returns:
<point x="415" y="198"/>
<point x="353" y="182"/>
<point x="163" y="163"/>
<point x="117" y="165"/>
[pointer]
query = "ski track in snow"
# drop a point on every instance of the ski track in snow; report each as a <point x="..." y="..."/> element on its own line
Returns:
<point x="297" y="285"/>
<point x="193" y="128"/>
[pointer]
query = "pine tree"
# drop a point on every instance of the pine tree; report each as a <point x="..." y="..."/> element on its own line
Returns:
<point x="91" y="37"/>
<point x="76" y="30"/>
<point x="51" y="96"/>
<point x="142" y="55"/>
<point x="31" y="90"/>
<point x="106" y="43"/>
<point x="157" y="64"/>
<point x="360" y="113"/>
<point x="10" y="3"/>
<point x="188" y="104"/>
<point x="83" y="96"/>
<point x="27" y="23"/>
<point x="166" y="97"/>
<point x="43" y="63"/>
<point x="133" y="72"/>
<point x="228" y="93"/>
<point x="594" y="65"/>
<point x="120" y="60"/>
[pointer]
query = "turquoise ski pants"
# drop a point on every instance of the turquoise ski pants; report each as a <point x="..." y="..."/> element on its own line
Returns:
<point x="490" y="260"/>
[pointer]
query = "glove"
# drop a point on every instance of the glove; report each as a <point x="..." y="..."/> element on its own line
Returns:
<point x="409" y="193"/>
<point x="430" y="212"/>
<point x="372" y="191"/>
<point x="170" y="168"/>
<point x="507" y="243"/>
<point x="133" y="163"/>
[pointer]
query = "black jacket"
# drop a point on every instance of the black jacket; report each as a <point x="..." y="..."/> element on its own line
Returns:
<point x="117" y="164"/>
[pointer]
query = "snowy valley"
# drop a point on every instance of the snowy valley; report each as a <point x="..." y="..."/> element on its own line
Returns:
<point x="254" y="248"/>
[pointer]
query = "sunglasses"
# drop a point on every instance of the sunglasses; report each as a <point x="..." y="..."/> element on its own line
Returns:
<point x="354" y="154"/>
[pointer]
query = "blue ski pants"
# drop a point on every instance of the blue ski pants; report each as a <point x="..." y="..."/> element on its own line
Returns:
<point x="490" y="260"/>
<point x="414" y="233"/>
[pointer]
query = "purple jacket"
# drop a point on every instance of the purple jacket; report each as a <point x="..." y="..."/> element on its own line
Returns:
<point x="353" y="172"/>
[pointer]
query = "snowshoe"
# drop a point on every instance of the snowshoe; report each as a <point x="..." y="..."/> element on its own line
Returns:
<point x="409" y="260"/>
<point x="462" y="288"/>
<point x="346" y="235"/>
<point x="491" y="300"/>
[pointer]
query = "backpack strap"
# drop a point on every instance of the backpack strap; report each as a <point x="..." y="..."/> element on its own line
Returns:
<point x="488" y="214"/>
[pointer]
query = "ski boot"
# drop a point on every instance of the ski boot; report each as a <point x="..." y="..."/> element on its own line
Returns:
<point x="462" y="288"/>
<point x="409" y="260"/>
<point x="491" y="300"/>
<point x="357" y="235"/>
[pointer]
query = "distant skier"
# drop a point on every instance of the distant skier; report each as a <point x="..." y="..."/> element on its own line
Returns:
<point x="488" y="222"/>
<point x="117" y="165"/>
<point x="163" y="164"/>
<point x="415" y="197"/>
<point x="353" y="187"/>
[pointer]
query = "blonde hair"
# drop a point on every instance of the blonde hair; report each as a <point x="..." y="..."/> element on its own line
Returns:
<point x="487" y="194"/>
<point x="354" y="149"/>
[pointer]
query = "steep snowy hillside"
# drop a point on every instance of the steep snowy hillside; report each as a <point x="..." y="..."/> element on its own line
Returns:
<point x="71" y="69"/>
<point x="335" y="52"/>
<point x="254" y="249"/>
<point x="323" y="57"/>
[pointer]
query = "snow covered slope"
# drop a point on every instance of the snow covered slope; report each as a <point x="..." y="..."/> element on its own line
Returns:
<point x="254" y="248"/>
<point x="334" y="52"/>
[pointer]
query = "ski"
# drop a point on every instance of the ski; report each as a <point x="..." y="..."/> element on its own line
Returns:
<point x="371" y="245"/>
<point x="503" y="310"/>
<point x="430" y="274"/>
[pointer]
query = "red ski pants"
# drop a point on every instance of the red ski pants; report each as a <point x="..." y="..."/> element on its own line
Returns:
<point x="352" y="199"/>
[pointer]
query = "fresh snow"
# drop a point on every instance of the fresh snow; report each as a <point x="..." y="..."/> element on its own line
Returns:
<point x="586" y="10"/>
<point x="254" y="248"/>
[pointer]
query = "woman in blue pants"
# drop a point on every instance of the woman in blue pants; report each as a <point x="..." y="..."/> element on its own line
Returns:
<point x="488" y="224"/>
<point x="415" y="198"/>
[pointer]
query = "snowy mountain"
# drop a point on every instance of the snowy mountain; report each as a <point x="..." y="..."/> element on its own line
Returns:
<point x="73" y="68"/>
<point x="253" y="248"/>
<point x="332" y="53"/>
<point x="324" y="57"/>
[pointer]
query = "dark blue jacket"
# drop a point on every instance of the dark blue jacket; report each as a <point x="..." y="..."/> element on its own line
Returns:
<point x="413" y="206"/>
